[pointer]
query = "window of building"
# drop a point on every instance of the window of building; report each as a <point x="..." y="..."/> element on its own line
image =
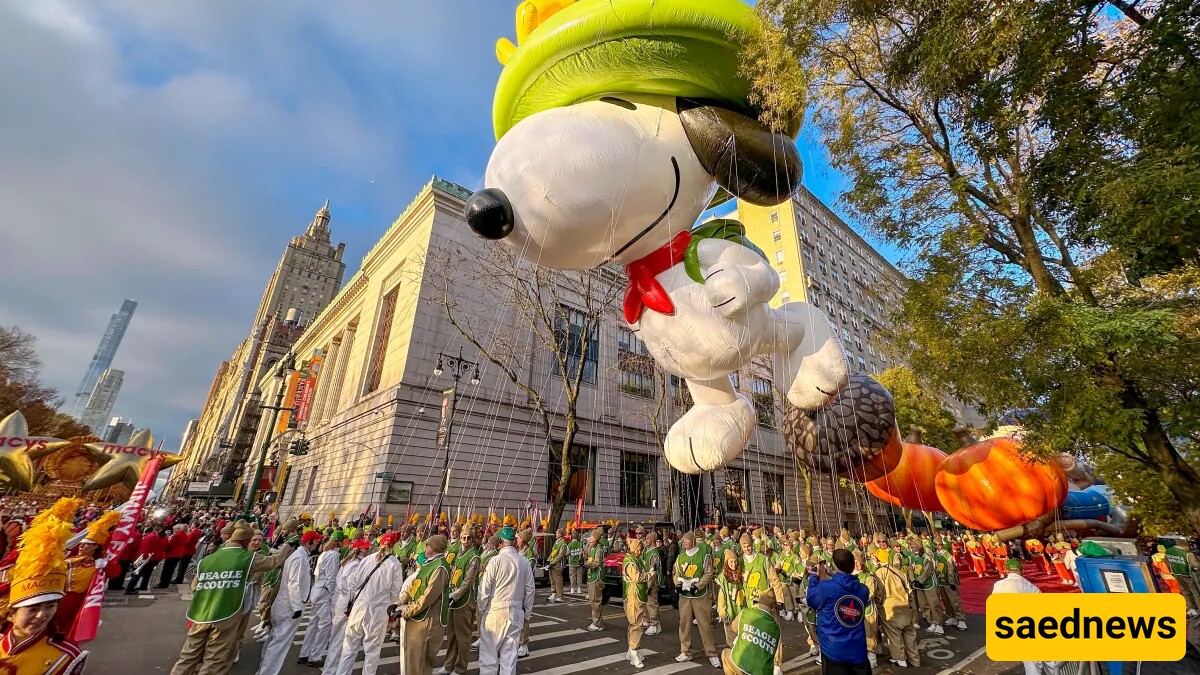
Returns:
<point x="582" y="479"/>
<point x="845" y="334"/>
<point x="807" y="257"/>
<point x="775" y="218"/>
<point x="736" y="491"/>
<point x="576" y="335"/>
<point x="295" y="485"/>
<point x="773" y="493"/>
<point x="635" y="368"/>
<point x="763" y="399"/>
<point x="862" y="365"/>
<point x="783" y="277"/>
<point x="383" y="332"/>
<point x="639" y="480"/>
<point x="312" y="481"/>
<point x="680" y="393"/>
<point x="858" y="344"/>
<point x="821" y="266"/>
<point x="776" y="236"/>
<point x="736" y="378"/>
<point x="779" y="256"/>
<point x="785" y="297"/>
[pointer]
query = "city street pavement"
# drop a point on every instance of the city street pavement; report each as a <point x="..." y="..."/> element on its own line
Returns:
<point x="144" y="636"/>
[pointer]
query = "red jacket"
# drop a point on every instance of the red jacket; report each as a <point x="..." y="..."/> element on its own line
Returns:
<point x="130" y="552"/>
<point x="194" y="536"/>
<point x="177" y="545"/>
<point x="153" y="546"/>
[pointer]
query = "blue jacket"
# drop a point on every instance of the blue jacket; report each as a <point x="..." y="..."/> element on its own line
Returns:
<point x="841" y="604"/>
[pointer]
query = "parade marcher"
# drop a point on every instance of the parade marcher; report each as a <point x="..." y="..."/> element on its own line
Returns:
<point x="978" y="555"/>
<point x="464" y="576"/>
<point x="652" y="556"/>
<point x="506" y="597"/>
<point x="1058" y="557"/>
<point x="759" y="576"/>
<point x="634" y="576"/>
<point x="753" y="650"/>
<point x="151" y="551"/>
<point x="1182" y="565"/>
<point x="899" y="623"/>
<point x="31" y="645"/>
<point x="1013" y="582"/>
<point x="841" y="605"/>
<point x="731" y="599"/>
<point x="575" y="563"/>
<point x="1037" y="552"/>
<point x="320" y="621"/>
<point x="81" y="569"/>
<point x="529" y="551"/>
<point x="176" y="548"/>
<point x="194" y="535"/>
<point x="693" y="575"/>
<point x="217" y="609"/>
<point x="428" y="613"/>
<point x="555" y="563"/>
<point x="294" y="585"/>
<point x="925" y="588"/>
<point x="405" y="549"/>
<point x="864" y="568"/>
<point x="374" y="586"/>
<point x="1161" y="568"/>
<point x="593" y="557"/>
<point x="947" y="586"/>
<point x="346" y="576"/>
<point x="808" y="616"/>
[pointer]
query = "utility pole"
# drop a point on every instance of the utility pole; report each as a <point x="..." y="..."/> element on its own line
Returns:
<point x="458" y="366"/>
<point x="286" y="365"/>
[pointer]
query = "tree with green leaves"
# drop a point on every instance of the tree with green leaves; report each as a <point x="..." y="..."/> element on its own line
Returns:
<point x="917" y="408"/>
<point x="1038" y="161"/>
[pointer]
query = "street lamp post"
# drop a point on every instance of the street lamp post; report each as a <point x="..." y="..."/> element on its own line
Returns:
<point x="458" y="366"/>
<point x="286" y="365"/>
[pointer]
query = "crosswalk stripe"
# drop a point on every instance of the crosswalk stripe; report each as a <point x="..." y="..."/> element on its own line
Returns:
<point x="536" y="624"/>
<point x="590" y="663"/>
<point x="547" y="616"/>
<point x="798" y="661"/>
<point x="549" y="651"/>
<point x="670" y="668"/>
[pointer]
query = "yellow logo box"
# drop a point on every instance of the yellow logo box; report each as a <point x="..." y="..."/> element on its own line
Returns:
<point x="1086" y="627"/>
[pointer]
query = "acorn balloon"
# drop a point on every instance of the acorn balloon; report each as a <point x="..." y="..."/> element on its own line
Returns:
<point x="855" y="436"/>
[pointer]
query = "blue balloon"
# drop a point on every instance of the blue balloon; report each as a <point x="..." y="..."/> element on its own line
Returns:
<point x="1085" y="504"/>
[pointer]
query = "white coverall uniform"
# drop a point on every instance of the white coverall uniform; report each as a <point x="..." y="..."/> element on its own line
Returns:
<point x="1015" y="583"/>
<point x="505" y="603"/>
<point x="294" y="584"/>
<point x="366" y="626"/>
<point x="337" y="631"/>
<point x="316" y="639"/>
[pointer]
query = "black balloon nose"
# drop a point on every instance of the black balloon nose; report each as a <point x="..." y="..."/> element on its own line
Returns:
<point x="490" y="214"/>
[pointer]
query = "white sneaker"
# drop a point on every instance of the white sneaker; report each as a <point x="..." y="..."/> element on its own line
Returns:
<point x="874" y="660"/>
<point x="786" y="615"/>
<point x="778" y="671"/>
<point x="645" y="624"/>
<point x="899" y="662"/>
<point x="1193" y="613"/>
<point x="818" y="660"/>
<point x="441" y="671"/>
<point x="936" y="629"/>
<point x="654" y="630"/>
<point x="523" y="650"/>
<point x="951" y="621"/>
<point x="238" y="656"/>
<point x="475" y="644"/>
<point x="714" y="662"/>
<point x="594" y="627"/>
<point x="962" y="625"/>
<point x="814" y="650"/>
<point x="635" y="660"/>
<point x="683" y="657"/>
<point x="551" y="598"/>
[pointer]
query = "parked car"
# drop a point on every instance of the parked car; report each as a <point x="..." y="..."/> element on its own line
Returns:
<point x="613" y="588"/>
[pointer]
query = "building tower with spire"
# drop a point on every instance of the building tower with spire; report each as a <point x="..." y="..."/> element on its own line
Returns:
<point x="307" y="277"/>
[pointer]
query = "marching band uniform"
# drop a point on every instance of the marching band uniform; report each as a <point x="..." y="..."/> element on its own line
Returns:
<point x="81" y="569"/>
<point x="653" y="559"/>
<point x="464" y="579"/>
<point x="575" y="563"/>
<point x="693" y="576"/>
<point x="594" y="556"/>
<point x="634" y="576"/>
<point x="428" y="613"/>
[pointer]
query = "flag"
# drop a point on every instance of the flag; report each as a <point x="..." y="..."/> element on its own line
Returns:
<point x="87" y="622"/>
<point x="578" y="512"/>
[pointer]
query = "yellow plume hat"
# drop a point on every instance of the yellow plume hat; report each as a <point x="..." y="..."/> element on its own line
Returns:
<point x="40" y="573"/>
<point x="99" y="530"/>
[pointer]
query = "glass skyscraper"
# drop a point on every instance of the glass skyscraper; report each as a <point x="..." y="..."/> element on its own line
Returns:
<point x="102" y="359"/>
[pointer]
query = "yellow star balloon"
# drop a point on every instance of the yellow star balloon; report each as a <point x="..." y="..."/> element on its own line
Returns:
<point x="18" y="450"/>
<point x="124" y="463"/>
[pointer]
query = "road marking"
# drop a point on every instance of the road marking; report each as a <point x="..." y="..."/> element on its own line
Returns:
<point x="536" y="624"/>
<point x="670" y="668"/>
<point x="798" y="661"/>
<point x="591" y="663"/>
<point x="970" y="657"/>
<point x="533" y="654"/>
<point x="547" y="616"/>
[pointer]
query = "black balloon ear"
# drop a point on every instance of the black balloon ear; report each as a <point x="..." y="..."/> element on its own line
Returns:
<point x="747" y="159"/>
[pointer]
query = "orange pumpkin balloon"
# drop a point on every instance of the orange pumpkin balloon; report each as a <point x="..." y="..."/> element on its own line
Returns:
<point x="911" y="483"/>
<point x="989" y="486"/>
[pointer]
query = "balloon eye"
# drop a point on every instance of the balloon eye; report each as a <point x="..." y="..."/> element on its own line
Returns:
<point x="621" y="103"/>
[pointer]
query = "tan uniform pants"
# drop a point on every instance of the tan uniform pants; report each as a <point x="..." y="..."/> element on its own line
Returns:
<point x="576" y="577"/>
<point x="727" y="662"/>
<point x="635" y="613"/>
<point x="556" y="581"/>
<point x="699" y="609"/>
<point x="525" y="633"/>
<point x="209" y="648"/>
<point x="652" y="604"/>
<point x="458" y="650"/>
<point x="595" y="597"/>
<point x="871" y="623"/>
<point x="952" y="602"/>
<point x="243" y="626"/>
<point x="1187" y="586"/>
<point x="901" y="633"/>
<point x="928" y="600"/>
<point x="422" y="642"/>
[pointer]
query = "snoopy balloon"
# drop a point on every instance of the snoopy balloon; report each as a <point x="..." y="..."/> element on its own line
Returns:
<point x="618" y="123"/>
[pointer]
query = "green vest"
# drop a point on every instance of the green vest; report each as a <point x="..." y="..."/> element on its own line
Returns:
<point x="734" y="595"/>
<point x="556" y="558"/>
<point x="922" y="565"/>
<point x="638" y="564"/>
<point x="221" y="585"/>
<point x="459" y="573"/>
<point x="530" y="554"/>
<point x="596" y="574"/>
<point x="653" y="559"/>
<point x="944" y="566"/>
<point x="1177" y="559"/>
<point x="692" y="567"/>
<point x="755" y="574"/>
<point x="485" y="559"/>
<point x="452" y="551"/>
<point x="866" y="579"/>
<point x="791" y="566"/>
<point x="421" y="586"/>
<point x="575" y="553"/>
<point x="403" y="550"/>
<point x="754" y="647"/>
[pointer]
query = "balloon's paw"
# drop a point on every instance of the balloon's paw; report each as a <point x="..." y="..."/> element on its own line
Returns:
<point x="709" y="437"/>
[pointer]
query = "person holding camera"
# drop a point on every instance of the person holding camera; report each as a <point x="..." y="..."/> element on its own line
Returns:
<point x="840" y="601"/>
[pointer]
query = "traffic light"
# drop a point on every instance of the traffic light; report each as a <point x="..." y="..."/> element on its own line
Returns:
<point x="298" y="447"/>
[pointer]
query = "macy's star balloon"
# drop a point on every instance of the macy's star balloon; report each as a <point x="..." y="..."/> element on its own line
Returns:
<point x="18" y="450"/>
<point x="124" y="464"/>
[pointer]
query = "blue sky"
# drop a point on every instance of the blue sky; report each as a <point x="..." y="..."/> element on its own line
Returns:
<point x="165" y="152"/>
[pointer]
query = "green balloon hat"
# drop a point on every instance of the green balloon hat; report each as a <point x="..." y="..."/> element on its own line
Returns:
<point x="574" y="50"/>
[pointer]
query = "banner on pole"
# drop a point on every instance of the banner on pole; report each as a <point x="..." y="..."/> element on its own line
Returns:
<point x="306" y="387"/>
<point x="578" y="512"/>
<point x="87" y="622"/>
<point x="285" y="421"/>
